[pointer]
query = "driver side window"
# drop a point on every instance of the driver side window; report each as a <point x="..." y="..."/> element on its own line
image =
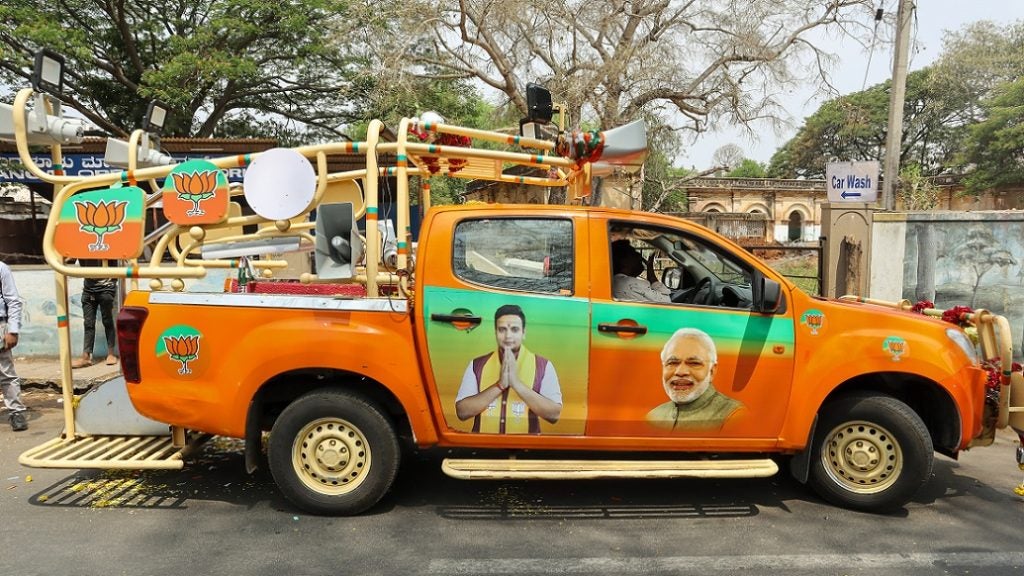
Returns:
<point x="668" y="266"/>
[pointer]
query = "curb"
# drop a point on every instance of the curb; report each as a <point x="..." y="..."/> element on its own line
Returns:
<point x="46" y="384"/>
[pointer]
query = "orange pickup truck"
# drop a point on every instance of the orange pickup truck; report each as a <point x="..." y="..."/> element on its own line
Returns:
<point x="521" y="333"/>
<point x="616" y="343"/>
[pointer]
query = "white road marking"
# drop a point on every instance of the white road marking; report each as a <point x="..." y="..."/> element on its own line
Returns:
<point x="720" y="564"/>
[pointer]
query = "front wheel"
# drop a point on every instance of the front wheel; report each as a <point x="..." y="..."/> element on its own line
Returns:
<point x="870" y="453"/>
<point x="333" y="452"/>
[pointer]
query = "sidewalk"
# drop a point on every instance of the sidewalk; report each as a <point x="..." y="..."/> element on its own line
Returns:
<point x="42" y="372"/>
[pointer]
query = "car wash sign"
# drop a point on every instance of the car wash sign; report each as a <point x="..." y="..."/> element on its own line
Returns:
<point x="852" y="181"/>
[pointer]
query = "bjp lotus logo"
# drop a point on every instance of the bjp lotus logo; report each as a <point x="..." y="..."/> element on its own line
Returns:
<point x="183" y="349"/>
<point x="813" y="319"/>
<point x="895" y="346"/>
<point x="100" y="218"/>
<point x="195" y="188"/>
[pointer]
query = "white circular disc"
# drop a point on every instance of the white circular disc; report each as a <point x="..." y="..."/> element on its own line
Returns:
<point x="280" y="184"/>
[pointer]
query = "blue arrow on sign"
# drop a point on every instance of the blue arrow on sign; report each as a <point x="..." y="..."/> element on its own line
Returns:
<point x="846" y="195"/>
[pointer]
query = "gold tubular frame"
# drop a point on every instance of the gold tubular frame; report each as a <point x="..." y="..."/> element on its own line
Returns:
<point x="74" y="450"/>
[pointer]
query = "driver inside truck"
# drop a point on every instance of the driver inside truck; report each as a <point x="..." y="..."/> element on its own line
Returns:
<point x="628" y="265"/>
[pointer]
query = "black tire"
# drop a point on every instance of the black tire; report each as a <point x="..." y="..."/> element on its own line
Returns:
<point x="870" y="453"/>
<point x="333" y="452"/>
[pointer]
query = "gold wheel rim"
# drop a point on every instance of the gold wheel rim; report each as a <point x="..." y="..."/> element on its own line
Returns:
<point x="862" y="457"/>
<point x="331" y="456"/>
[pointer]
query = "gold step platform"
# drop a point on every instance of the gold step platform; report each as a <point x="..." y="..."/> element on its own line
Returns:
<point x="111" y="452"/>
<point x="514" y="469"/>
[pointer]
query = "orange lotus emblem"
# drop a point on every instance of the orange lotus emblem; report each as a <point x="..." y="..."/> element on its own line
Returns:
<point x="99" y="218"/>
<point x="195" y="188"/>
<point x="896" y="346"/>
<point x="184" y="349"/>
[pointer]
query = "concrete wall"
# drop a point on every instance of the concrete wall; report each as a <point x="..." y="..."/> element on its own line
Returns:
<point x="37" y="286"/>
<point x="888" y="245"/>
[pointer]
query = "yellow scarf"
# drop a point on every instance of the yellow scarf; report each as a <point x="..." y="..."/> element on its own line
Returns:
<point x="510" y="405"/>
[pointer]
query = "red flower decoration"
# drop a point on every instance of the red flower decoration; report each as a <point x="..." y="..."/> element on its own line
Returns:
<point x="921" y="306"/>
<point x="454" y="164"/>
<point x="955" y="315"/>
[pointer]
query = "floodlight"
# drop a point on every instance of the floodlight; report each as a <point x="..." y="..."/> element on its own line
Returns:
<point x="529" y="129"/>
<point x="156" y="115"/>
<point x="48" y="73"/>
<point x="538" y="103"/>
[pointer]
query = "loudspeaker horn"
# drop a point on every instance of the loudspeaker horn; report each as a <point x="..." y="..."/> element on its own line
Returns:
<point x="625" y="147"/>
<point x="338" y="245"/>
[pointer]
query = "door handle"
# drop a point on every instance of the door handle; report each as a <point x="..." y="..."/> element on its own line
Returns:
<point x="474" y="320"/>
<point x="621" y="328"/>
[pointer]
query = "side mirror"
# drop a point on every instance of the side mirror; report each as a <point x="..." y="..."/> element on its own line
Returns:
<point x="672" y="278"/>
<point x="767" y="294"/>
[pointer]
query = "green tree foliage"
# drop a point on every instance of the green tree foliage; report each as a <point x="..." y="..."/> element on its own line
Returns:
<point x="748" y="169"/>
<point x="943" y="101"/>
<point x="854" y="127"/>
<point x="224" y="67"/>
<point x="994" y="149"/>
<point x="916" y="191"/>
<point x="974" y="62"/>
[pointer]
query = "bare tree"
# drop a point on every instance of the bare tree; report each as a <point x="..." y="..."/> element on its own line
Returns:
<point x="693" y="63"/>
<point x="730" y="156"/>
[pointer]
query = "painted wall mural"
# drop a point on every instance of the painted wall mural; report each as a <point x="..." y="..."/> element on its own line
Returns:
<point x="969" y="262"/>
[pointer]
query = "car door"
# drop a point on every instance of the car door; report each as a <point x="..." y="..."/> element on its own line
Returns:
<point x="704" y="367"/>
<point x="510" y="283"/>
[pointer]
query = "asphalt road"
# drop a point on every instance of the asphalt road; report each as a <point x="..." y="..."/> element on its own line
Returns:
<point x="212" y="518"/>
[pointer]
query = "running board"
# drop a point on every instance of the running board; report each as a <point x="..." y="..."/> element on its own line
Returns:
<point x="506" y="469"/>
<point x="110" y="452"/>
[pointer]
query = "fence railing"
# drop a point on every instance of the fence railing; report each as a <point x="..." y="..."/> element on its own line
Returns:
<point x="800" y="263"/>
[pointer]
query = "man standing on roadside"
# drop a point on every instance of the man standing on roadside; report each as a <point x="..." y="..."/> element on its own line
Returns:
<point x="10" y="324"/>
<point x="97" y="294"/>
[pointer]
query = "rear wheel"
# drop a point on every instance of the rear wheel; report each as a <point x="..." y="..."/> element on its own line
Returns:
<point x="870" y="453"/>
<point x="333" y="452"/>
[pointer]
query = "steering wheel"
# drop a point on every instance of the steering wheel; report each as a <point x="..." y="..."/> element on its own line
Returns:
<point x="705" y="292"/>
<point x="683" y="295"/>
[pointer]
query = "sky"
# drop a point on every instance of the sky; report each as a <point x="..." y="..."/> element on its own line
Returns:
<point x="932" y="19"/>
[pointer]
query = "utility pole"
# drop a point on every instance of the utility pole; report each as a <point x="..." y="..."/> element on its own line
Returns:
<point x="894" y="136"/>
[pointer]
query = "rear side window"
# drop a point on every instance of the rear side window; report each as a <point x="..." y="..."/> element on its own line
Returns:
<point x="524" y="254"/>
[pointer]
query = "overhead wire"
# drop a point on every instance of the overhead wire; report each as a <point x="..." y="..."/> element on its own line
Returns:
<point x="871" y="50"/>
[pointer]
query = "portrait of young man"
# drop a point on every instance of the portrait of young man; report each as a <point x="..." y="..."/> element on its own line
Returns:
<point x="510" y="389"/>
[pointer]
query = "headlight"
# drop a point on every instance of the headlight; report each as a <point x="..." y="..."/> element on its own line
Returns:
<point x="961" y="340"/>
